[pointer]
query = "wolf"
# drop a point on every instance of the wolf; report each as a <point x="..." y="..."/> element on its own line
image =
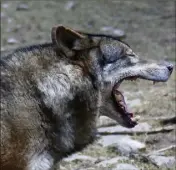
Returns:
<point x="52" y="95"/>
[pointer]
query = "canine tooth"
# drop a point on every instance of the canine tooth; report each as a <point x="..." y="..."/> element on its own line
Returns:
<point x="154" y="82"/>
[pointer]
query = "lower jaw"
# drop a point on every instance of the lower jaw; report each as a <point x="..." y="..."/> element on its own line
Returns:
<point x="120" y="104"/>
<point x="121" y="108"/>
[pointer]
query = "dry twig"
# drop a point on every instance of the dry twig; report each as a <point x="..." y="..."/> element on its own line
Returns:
<point x="152" y="131"/>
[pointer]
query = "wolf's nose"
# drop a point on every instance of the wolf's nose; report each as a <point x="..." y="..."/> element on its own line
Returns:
<point x="170" y="67"/>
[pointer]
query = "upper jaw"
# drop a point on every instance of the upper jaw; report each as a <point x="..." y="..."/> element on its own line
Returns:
<point x="158" y="76"/>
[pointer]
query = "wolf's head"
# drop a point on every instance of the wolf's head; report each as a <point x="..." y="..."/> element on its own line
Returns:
<point x="109" y="61"/>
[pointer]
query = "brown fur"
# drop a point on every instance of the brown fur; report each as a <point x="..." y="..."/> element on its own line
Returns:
<point x="51" y="95"/>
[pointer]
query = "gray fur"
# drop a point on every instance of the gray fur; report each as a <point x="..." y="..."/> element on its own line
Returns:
<point x="51" y="95"/>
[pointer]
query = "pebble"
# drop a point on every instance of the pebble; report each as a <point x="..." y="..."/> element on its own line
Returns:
<point x="12" y="41"/>
<point x="122" y="144"/>
<point x="105" y="121"/>
<point x="106" y="28"/>
<point x="79" y="157"/>
<point x="106" y="163"/>
<point x="22" y="7"/>
<point x="163" y="161"/>
<point x="2" y="15"/>
<point x="5" y="5"/>
<point x="9" y="20"/>
<point x="114" y="31"/>
<point x="134" y="103"/>
<point x="119" y="32"/>
<point x="69" y="5"/>
<point x="124" y="166"/>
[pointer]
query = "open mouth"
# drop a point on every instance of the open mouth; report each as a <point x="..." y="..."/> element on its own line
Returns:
<point x="128" y="117"/>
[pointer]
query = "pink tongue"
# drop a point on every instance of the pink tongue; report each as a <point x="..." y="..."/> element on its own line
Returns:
<point x="121" y="104"/>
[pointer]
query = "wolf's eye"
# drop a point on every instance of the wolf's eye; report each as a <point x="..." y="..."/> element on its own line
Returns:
<point x="110" y="59"/>
<point x="111" y="55"/>
<point x="111" y="51"/>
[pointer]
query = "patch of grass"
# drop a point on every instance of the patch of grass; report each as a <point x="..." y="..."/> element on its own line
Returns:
<point x="99" y="151"/>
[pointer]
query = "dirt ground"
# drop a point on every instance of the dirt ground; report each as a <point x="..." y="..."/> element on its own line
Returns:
<point x="148" y="24"/>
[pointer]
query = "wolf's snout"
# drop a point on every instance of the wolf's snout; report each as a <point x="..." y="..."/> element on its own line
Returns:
<point x="169" y="65"/>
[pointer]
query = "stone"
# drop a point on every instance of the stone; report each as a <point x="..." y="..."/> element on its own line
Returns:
<point x="69" y="5"/>
<point x="113" y="31"/>
<point x="22" y="7"/>
<point x="106" y="28"/>
<point x="125" y="166"/>
<point x="12" y="41"/>
<point x="163" y="161"/>
<point x="106" y="163"/>
<point x="134" y="103"/>
<point x="105" y="121"/>
<point x="119" y="33"/>
<point x="5" y="5"/>
<point x="122" y="144"/>
<point x="79" y="157"/>
<point x="2" y="15"/>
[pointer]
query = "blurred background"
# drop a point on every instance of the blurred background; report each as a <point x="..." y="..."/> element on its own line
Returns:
<point x="148" y="27"/>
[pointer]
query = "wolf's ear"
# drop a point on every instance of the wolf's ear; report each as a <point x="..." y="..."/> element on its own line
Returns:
<point x="65" y="39"/>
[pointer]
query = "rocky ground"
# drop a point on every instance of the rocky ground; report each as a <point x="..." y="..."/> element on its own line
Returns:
<point x="149" y="27"/>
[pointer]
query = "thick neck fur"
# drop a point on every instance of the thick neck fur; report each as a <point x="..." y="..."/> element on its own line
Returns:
<point x="65" y="94"/>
